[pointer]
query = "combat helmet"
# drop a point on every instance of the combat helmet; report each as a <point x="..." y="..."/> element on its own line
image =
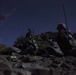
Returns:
<point x="61" y="26"/>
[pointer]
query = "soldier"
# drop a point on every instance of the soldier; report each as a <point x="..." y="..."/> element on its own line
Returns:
<point x="65" y="40"/>
<point x="29" y="34"/>
<point x="30" y="40"/>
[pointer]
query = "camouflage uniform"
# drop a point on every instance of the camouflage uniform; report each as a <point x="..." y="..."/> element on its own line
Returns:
<point x="65" y="40"/>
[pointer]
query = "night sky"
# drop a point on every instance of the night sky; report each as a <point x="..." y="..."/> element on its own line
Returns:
<point x="38" y="15"/>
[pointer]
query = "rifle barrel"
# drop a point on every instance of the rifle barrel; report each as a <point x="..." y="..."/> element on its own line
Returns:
<point x="65" y="19"/>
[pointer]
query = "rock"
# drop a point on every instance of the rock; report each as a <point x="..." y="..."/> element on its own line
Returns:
<point x="15" y="49"/>
<point x="5" y="69"/>
<point x="17" y="71"/>
<point x="41" y="71"/>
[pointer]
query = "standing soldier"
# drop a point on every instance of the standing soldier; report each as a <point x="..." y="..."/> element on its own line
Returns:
<point x="30" y="40"/>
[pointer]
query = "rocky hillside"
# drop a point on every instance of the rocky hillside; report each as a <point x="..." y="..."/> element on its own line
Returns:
<point x="14" y="63"/>
<point x="37" y="65"/>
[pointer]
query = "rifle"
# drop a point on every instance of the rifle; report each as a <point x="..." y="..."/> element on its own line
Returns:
<point x="65" y="20"/>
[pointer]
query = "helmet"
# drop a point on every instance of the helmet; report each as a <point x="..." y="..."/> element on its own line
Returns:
<point x="29" y="30"/>
<point x="61" y="26"/>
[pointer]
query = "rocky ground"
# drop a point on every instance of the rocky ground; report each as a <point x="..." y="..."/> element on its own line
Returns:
<point x="37" y="65"/>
